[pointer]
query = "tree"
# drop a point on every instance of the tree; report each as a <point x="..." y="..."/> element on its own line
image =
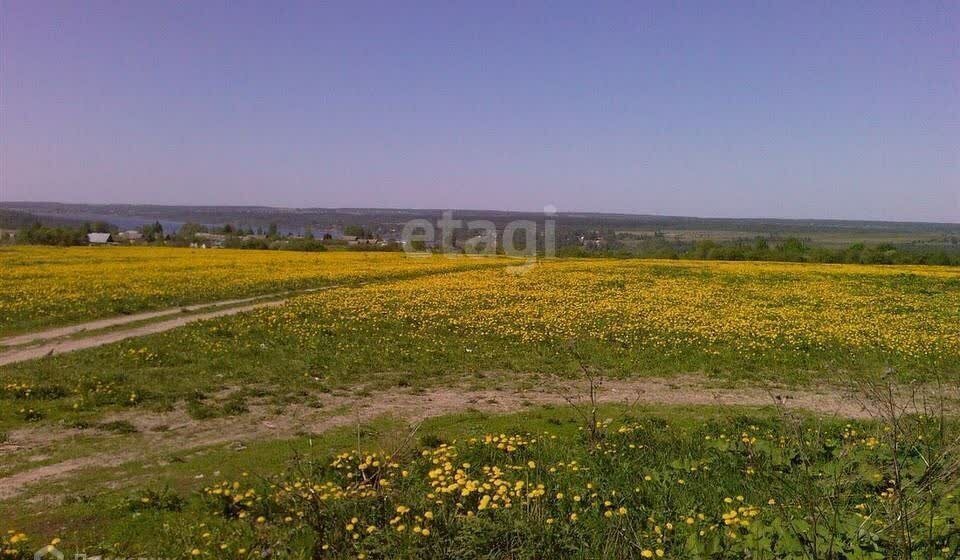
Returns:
<point x="152" y="232"/>
<point x="354" y="230"/>
<point x="188" y="230"/>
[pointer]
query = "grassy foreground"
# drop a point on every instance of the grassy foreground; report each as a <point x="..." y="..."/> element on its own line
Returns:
<point x="544" y="484"/>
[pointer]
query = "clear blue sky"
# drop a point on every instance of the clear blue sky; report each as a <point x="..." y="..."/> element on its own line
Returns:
<point x="781" y="109"/>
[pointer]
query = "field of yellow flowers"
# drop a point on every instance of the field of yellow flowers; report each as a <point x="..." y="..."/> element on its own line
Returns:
<point x="686" y="315"/>
<point x="640" y="486"/>
<point x="540" y="485"/>
<point x="45" y="286"/>
<point x="763" y="321"/>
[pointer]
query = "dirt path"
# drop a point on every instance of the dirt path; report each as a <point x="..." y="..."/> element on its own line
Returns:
<point x="174" y="432"/>
<point x="61" y="332"/>
<point x="73" y="344"/>
<point x="59" y="344"/>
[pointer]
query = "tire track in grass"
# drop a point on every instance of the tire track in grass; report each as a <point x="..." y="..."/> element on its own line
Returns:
<point x="63" y="345"/>
<point x="63" y="332"/>
<point x="262" y="423"/>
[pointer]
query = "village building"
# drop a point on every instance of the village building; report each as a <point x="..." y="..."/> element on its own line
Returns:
<point x="99" y="238"/>
<point x="210" y="239"/>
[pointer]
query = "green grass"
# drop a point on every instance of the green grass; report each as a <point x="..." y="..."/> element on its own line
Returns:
<point x="222" y="369"/>
<point x="663" y="467"/>
<point x="160" y="371"/>
<point x="414" y="337"/>
<point x="84" y="511"/>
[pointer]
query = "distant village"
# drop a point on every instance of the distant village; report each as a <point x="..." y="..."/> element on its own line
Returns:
<point x="240" y="238"/>
<point x="583" y="238"/>
<point x="207" y="237"/>
<point x="384" y="236"/>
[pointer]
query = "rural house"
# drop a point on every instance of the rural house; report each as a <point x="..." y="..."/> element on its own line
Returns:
<point x="99" y="238"/>
<point x="131" y="235"/>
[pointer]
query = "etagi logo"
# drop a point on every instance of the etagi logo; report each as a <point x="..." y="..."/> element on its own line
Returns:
<point x="454" y="237"/>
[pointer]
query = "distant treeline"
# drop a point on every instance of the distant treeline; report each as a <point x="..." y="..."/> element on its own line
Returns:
<point x="788" y="250"/>
<point x="227" y="236"/>
<point x="279" y="244"/>
<point x="237" y="237"/>
<point x="64" y="236"/>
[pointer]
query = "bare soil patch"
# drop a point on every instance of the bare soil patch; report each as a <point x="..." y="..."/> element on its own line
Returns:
<point x="176" y="431"/>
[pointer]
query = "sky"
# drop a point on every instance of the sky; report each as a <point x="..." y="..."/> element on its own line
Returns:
<point x="847" y="110"/>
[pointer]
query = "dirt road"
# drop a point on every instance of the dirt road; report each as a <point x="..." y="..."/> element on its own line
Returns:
<point x="59" y="341"/>
<point x="181" y="433"/>
<point x="73" y="344"/>
<point x="61" y="332"/>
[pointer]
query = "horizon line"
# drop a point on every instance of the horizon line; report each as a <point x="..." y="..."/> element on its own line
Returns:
<point x="434" y="209"/>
